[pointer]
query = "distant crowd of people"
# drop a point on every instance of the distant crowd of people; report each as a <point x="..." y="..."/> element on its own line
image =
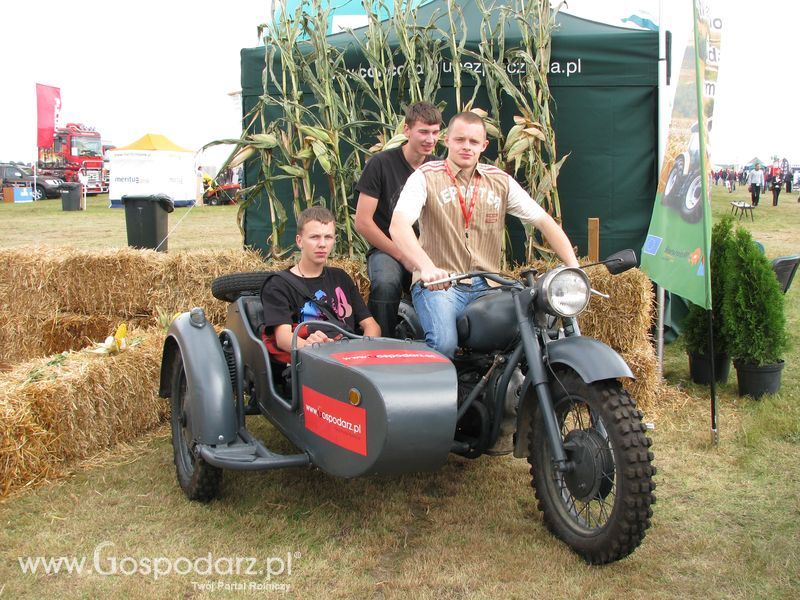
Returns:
<point x="758" y="180"/>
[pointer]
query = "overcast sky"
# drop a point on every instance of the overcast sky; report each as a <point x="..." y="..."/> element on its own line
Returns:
<point x="168" y="67"/>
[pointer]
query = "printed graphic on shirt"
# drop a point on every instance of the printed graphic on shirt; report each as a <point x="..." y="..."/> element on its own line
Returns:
<point x="485" y="195"/>
<point x="339" y="306"/>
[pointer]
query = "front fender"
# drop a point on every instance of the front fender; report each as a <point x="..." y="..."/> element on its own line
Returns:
<point x="211" y="407"/>
<point x="591" y="359"/>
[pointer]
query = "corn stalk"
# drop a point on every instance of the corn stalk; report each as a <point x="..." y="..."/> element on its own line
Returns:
<point x="327" y="127"/>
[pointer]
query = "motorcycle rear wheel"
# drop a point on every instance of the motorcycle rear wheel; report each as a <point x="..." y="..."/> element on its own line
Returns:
<point x="600" y="509"/>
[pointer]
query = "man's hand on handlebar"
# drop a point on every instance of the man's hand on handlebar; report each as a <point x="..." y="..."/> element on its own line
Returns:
<point x="435" y="274"/>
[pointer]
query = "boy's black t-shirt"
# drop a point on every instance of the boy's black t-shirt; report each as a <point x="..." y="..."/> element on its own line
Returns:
<point x="283" y="305"/>
<point x="383" y="178"/>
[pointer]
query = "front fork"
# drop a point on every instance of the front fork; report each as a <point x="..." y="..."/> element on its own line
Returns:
<point x="540" y="380"/>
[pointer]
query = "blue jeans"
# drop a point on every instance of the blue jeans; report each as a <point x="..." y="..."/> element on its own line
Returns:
<point x="387" y="280"/>
<point x="439" y="311"/>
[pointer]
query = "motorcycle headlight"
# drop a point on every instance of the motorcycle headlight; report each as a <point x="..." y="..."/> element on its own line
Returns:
<point x="565" y="291"/>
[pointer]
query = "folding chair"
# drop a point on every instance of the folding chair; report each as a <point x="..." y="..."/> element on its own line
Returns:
<point x="785" y="267"/>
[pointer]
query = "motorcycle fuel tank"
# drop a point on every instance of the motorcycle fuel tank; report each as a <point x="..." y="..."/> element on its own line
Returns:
<point x="376" y="406"/>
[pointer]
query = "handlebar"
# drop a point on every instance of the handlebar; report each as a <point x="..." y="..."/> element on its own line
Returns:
<point x="617" y="263"/>
<point x="455" y="277"/>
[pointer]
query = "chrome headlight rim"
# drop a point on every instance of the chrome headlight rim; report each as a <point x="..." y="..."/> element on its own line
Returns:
<point x="551" y="284"/>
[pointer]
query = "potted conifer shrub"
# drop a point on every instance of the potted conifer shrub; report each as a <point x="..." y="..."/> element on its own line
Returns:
<point x="753" y="319"/>
<point x="695" y="325"/>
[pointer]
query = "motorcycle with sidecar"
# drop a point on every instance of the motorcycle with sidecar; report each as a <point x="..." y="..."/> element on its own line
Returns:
<point x="524" y="381"/>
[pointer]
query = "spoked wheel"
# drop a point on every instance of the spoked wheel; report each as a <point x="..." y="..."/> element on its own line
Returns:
<point x="198" y="480"/>
<point x="601" y="507"/>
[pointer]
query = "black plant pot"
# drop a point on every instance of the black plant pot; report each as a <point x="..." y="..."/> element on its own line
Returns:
<point x="700" y="368"/>
<point x="756" y="381"/>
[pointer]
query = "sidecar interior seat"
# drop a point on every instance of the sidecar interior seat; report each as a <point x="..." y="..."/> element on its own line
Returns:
<point x="253" y="312"/>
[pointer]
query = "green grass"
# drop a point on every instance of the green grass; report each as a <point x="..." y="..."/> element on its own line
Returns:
<point x="44" y="223"/>
<point x="726" y="524"/>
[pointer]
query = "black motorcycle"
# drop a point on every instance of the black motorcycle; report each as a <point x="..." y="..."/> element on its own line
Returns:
<point x="524" y="381"/>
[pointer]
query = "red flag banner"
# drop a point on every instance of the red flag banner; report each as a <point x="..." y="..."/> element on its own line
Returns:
<point x="48" y="107"/>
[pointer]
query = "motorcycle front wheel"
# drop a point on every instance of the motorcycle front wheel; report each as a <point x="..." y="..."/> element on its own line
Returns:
<point x="601" y="506"/>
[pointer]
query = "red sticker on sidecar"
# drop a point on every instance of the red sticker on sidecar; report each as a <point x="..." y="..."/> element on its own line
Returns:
<point x="337" y="422"/>
<point x="388" y="357"/>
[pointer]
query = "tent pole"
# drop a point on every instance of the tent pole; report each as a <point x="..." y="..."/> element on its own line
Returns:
<point x="660" y="329"/>
<point x="711" y="351"/>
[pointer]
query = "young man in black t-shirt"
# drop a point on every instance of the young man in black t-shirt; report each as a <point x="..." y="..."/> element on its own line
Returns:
<point x="284" y="306"/>
<point x="379" y="186"/>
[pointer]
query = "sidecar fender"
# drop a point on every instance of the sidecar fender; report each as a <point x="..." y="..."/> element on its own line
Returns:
<point x="212" y="410"/>
<point x="591" y="359"/>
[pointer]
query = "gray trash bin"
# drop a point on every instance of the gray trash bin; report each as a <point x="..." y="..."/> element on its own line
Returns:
<point x="146" y="220"/>
<point x="70" y="196"/>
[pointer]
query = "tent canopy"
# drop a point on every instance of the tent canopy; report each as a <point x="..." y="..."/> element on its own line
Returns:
<point x="604" y="84"/>
<point x="153" y="141"/>
<point x="152" y="165"/>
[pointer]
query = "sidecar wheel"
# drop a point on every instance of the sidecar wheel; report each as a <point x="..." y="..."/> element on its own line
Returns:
<point x="198" y="480"/>
<point x="233" y="285"/>
<point x="601" y="508"/>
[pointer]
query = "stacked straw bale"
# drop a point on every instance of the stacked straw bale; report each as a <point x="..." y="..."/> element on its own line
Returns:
<point x="68" y="407"/>
<point x="54" y="300"/>
<point x="624" y="322"/>
<point x="55" y="409"/>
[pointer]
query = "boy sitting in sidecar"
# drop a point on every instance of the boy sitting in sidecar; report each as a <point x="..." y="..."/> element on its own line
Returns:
<point x="312" y="291"/>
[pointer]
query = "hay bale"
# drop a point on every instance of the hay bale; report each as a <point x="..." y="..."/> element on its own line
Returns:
<point x="25" y="454"/>
<point x="624" y="320"/>
<point x="119" y="283"/>
<point x="188" y="276"/>
<point x="70" y="406"/>
<point x="27" y="281"/>
<point x="70" y="331"/>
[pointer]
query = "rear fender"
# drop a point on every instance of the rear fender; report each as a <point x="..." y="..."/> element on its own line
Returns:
<point x="591" y="359"/>
<point x="209" y="391"/>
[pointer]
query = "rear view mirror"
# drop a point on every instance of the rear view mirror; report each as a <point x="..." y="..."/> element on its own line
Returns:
<point x="621" y="261"/>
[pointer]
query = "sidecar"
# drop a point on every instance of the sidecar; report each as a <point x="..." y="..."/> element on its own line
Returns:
<point x="352" y="407"/>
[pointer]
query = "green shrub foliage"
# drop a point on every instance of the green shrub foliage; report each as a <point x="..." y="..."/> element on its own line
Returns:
<point x="753" y="319"/>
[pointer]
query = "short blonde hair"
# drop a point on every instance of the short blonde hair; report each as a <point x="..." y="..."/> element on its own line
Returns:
<point x="314" y="213"/>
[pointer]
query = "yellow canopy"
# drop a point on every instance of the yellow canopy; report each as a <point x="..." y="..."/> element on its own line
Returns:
<point x="153" y="141"/>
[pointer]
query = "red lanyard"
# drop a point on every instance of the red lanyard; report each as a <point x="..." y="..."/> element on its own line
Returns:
<point x="467" y="213"/>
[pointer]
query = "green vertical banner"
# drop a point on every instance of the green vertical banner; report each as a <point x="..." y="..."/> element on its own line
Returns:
<point x="676" y="250"/>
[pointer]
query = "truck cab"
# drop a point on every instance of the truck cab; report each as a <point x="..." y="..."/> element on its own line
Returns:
<point x="76" y="150"/>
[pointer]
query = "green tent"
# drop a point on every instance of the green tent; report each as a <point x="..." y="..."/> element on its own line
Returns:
<point x="604" y="83"/>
